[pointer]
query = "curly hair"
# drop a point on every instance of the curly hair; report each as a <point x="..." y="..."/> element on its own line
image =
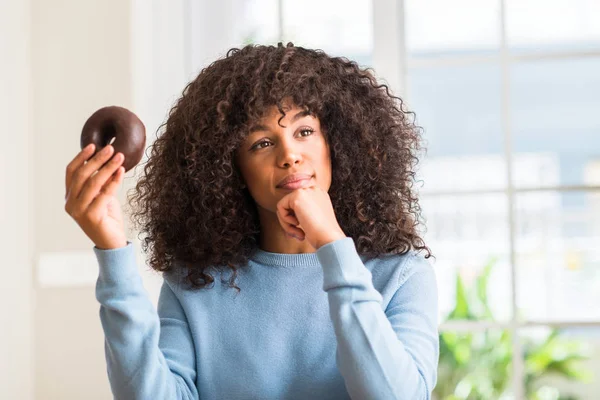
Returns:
<point x="190" y="202"/>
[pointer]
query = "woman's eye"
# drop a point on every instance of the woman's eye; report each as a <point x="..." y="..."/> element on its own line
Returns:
<point x="258" y="146"/>
<point x="306" y="130"/>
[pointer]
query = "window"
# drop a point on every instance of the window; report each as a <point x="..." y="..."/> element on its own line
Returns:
<point x="328" y="25"/>
<point x="507" y="93"/>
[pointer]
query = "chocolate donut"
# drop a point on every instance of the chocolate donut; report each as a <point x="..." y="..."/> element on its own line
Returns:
<point x="122" y="125"/>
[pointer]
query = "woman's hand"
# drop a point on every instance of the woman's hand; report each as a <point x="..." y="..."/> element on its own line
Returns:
<point x="90" y="198"/>
<point x="307" y="213"/>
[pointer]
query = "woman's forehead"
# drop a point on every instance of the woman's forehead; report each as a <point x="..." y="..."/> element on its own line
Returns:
<point x="273" y="111"/>
<point x="292" y="115"/>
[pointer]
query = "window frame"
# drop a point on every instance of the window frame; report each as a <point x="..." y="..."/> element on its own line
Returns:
<point x="392" y="11"/>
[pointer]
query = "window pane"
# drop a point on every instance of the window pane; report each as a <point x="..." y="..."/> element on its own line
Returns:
<point x="468" y="235"/>
<point x="555" y="122"/>
<point x="561" y="363"/>
<point x="459" y="109"/>
<point x="257" y="21"/>
<point x="553" y="25"/>
<point x="558" y="257"/>
<point x="332" y="26"/>
<point x="437" y="27"/>
<point x="474" y="365"/>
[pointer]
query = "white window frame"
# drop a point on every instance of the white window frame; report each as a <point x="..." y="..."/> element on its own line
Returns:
<point x="388" y="51"/>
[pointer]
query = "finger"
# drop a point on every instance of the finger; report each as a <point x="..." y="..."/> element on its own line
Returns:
<point x="84" y="172"/>
<point x="291" y="218"/>
<point x="113" y="184"/>
<point x="77" y="162"/>
<point x="287" y="217"/>
<point x="300" y="236"/>
<point x="290" y="225"/>
<point x="95" y="184"/>
<point x="285" y="211"/>
<point x="107" y="192"/>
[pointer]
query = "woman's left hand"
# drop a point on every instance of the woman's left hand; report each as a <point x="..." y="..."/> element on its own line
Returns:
<point x="307" y="213"/>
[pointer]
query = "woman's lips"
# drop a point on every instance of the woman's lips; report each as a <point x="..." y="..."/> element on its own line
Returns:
<point x="296" y="184"/>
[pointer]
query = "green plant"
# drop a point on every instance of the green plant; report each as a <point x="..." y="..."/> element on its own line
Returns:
<point x="477" y="365"/>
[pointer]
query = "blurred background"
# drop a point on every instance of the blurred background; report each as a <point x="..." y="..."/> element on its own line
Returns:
<point x="507" y="93"/>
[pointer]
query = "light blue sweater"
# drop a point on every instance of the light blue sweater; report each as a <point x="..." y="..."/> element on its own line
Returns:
<point x="322" y="325"/>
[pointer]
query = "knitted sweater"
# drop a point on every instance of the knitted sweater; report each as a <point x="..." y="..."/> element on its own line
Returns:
<point x="323" y="325"/>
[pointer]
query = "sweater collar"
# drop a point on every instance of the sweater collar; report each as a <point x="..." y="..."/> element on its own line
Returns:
<point x="285" y="260"/>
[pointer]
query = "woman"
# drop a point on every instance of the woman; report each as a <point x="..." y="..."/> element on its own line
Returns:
<point x="288" y="173"/>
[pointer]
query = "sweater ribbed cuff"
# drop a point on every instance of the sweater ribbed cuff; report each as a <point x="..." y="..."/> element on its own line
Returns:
<point x="342" y="266"/>
<point x="116" y="264"/>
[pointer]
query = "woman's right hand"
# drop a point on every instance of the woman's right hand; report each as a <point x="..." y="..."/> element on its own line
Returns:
<point x="90" y="198"/>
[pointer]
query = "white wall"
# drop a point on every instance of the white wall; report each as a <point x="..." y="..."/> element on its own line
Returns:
<point x="61" y="62"/>
<point x="81" y="62"/>
<point x="16" y="195"/>
<point x="87" y="55"/>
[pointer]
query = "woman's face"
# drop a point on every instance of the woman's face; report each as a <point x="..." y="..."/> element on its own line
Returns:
<point x="271" y="152"/>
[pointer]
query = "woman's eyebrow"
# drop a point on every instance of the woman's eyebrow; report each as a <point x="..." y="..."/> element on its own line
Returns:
<point x="301" y="114"/>
<point x="295" y="118"/>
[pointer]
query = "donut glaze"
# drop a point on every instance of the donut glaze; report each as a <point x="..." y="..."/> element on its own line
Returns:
<point x="121" y="124"/>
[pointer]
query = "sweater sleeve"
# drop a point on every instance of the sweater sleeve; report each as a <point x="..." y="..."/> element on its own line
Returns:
<point x="149" y="353"/>
<point x="391" y="354"/>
